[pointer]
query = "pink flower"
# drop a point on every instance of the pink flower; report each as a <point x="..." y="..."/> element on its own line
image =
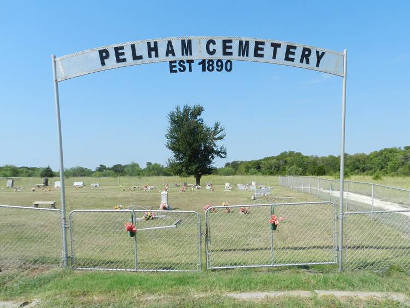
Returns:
<point x="274" y="220"/>
<point x="129" y="226"/>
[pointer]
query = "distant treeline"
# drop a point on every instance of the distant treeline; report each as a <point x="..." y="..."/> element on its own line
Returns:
<point x="389" y="161"/>
<point x="132" y="169"/>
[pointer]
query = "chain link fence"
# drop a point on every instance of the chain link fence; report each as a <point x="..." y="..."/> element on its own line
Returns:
<point x="376" y="233"/>
<point x="164" y="240"/>
<point x="241" y="235"/>
<point x="377" y="240"/>
<point x="376" y="220"/>
<point x="29" y="237"/>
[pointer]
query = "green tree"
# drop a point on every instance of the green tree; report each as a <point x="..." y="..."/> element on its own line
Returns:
<point x="193" y="143"/>
<point x="47" y="172"/>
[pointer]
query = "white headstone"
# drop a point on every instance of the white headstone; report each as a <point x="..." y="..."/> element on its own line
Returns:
<point x="95" y="185"/>
<point x="10" y="183"/>
<point x="164" y="197"/>
<point x="78" y="184"/>
<point x="57" y="184"/>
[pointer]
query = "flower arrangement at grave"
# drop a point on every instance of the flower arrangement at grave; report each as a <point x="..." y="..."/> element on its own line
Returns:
<point x="208" y="206"/>
<point x="274" y="221"/>
<point x="163" y="206"/>
<point x="130" y="228"/>
<point x="118" y="207"/>
<point x="243" y="211"/>
<point x="227" y="209"/>
<point x="149" y="215"/>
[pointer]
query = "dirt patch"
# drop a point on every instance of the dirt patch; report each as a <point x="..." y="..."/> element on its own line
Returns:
<point x="251" y="296"/>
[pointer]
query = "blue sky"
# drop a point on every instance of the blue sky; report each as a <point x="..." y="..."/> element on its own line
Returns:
<point x="120" y="116"/>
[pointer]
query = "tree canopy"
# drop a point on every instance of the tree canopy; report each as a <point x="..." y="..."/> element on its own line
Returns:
<point x="193" y="143"/>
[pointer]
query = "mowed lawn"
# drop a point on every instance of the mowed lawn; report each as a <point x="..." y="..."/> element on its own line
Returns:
<point x="304" y="227"/>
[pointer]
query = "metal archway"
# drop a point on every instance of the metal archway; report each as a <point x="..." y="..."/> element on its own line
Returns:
<point x="191" y="48"/>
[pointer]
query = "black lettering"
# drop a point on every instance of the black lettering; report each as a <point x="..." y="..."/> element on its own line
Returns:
<point x="104" y="55"/>
<point x="243" y="49"/>
<point x="190" y="64"/>
<point x="181" y="64"/>
<point x="173" y="67"/>
<point x="319" y="56"/>
<point x="226" y="47"/>
<point x="306" y="52"/>
<point x="119" y="53"/>
<point x="208" y="50"/>
<point x="259" y="46"/>
<point x="170" y="49"/>
<point x="290" y="51"/>
<point x="275" y="47"/>
<point x="186" y="48"/>
<point x="134" y="53"/>
<point x="152" y="49"/>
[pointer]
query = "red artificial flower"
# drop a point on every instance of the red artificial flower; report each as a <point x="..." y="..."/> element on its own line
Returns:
<point x="274" y="220"/>
<point x="129" y="226"/>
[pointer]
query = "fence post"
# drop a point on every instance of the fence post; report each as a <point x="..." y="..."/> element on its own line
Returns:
<point x="318" y="187"/>
<point x="330" y="193"/>
<point x="133" y="220"/>
<point x="272" y="211"/>
<point x="347" y="192"/>
<point x="372" y="199"/>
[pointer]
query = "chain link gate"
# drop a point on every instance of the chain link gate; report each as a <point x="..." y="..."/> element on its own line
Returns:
<point x="241" y="235"/>
<point x="170" y="241"/>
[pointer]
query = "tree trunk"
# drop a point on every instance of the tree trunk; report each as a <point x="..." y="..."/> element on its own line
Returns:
<point x="198" y="179"/>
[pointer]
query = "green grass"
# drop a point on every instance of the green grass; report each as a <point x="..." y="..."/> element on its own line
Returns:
<point x="68" y="288"/>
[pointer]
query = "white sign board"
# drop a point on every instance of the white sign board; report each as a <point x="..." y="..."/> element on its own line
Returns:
<point x="196" y="48"/>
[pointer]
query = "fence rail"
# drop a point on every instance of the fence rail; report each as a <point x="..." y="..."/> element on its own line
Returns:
<point x="376" y="220"/>
<point x="376" y="234"/>
<point x="170" y="241"/>
<point x="241" y="236"/>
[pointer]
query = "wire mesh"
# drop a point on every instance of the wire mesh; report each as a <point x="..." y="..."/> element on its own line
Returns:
<point x="376" y="222"/>
<point x="377" y="240"/>
<point x="169" y="242"/>
<point x="29" y="237"/>
<point x="164" y="241"/>
<point x="99" y="240"/>
<point x="241" y="236"/>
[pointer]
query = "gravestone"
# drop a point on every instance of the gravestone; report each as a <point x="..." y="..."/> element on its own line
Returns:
<point x="10" y="183"/>
<point x="45" y="181"/>
<point x="78" y="184"/>
<point x="57" y="184"/>
<point x="164" y="200"/>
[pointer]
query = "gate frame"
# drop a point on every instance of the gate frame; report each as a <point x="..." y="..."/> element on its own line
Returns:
<point x="272" y="205"/>
<point x="133" y="217"/>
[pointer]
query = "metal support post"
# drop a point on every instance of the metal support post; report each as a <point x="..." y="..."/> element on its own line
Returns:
<point x="342" y="162"/>
<point x="60" y="142"/>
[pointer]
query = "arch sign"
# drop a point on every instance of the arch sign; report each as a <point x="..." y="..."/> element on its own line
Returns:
<point x="213" y="53"/>
<point x="188" y="49"/>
